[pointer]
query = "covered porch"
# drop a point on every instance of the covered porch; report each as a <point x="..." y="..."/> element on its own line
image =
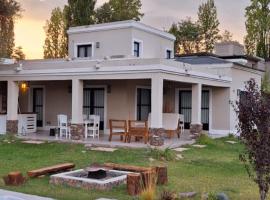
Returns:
<point x="202" y="103"/>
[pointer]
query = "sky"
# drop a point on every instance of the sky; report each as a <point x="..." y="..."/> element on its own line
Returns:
<point x="29" y="32"/>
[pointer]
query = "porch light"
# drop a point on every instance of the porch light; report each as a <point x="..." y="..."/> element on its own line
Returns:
<point x="23" y="86"/>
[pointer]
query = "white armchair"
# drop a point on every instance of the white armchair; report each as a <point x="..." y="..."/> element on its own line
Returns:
<point x="93" y="127"/>
<point x="64" y="129"/>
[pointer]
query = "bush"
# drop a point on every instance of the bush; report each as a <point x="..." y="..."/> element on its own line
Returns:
<point x="162" y="154"/>
<point x="204" y="139"/>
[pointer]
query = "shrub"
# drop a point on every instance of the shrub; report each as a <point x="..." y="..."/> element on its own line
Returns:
<point x="253" y="112"/>
<point x="163" y="154"/>
<point x="204" y="139"/>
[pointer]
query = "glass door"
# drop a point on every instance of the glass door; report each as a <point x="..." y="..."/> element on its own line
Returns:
<point x="38" y="105"/>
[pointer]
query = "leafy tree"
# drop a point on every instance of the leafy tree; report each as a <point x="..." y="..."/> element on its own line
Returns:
<point x="9" y="11"/>
<point x="119" y="10"/>
<point x="18" y="53"/>
<point x="208" y="23"/>
<point x="258" y="28"/>
<point x="104" y="13"/>
<point x="226" y="36"/>
<point x="253" y="113"/>
<point x="187" y="35"/>
<point x="56" y="41"/>
<point x="79" y="12"/>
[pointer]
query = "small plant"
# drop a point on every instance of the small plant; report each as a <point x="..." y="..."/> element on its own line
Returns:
<point x="212" y="196"/>
<point x="167" y="195"/>
<point x="204" y="139"/>
<point x="163" y="154"/>
<point x="149" y="187"/>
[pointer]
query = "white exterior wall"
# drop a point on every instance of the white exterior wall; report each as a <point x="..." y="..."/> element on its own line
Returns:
<point x="239" y="77"/>
<point x="112" y="42"/>
<point x="153" y="46"/>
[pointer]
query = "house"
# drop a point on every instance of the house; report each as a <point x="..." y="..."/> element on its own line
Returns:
<point x="125" y="70"/>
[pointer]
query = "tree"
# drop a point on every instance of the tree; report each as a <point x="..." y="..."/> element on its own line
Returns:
<point x="253" y="113"/>
<point x="18" y="53"/>
<point x="79" y="12"/>
<point x="258" y="28"/>
<point x="104" y="13"/>
<point x="187" y="35"/>
<point x="208" y="23"/>
<point x="119" y="10"/>
<point x="55" y="45"/>
<point x="9" y="11"/>
<point x="226" y="36"/>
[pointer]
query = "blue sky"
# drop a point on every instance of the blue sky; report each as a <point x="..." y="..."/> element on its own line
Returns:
<point x="158" y="13"/>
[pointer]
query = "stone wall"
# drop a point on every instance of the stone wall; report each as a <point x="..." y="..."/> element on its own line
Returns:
<point x="12" y="126"/>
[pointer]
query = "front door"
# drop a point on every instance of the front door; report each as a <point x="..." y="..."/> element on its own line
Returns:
<point x="185" y="108"/>
<point x="143" y="103"/>
<point x="38" y="105"/>
<point x="93" y="103"/>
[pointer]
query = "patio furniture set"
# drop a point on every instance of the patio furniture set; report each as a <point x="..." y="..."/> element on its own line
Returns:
<point x="173" y="123"/>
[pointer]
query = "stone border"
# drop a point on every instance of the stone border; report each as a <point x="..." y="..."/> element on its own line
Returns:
<point x="89" y="184"/>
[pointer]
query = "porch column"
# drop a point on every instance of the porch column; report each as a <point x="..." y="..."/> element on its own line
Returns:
<point x="12" y="107"/>
<point x="196" y="125"/>
<point x="77" y="126"/>
<point x="156" y="102"/>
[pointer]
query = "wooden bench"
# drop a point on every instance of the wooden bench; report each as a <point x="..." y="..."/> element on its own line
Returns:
<point x="50" y="169"/>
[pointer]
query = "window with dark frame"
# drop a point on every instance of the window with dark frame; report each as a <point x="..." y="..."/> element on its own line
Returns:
<point x="168" y="54"/>
<point x="84" y="51"/>
<point x="136" y="49"/>
<point x="143" y="103"/>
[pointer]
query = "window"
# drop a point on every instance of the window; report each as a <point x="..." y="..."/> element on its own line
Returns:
<point x="168" y="54"/>
<point x="84" y="51"/>
<point x="136" y="49"/>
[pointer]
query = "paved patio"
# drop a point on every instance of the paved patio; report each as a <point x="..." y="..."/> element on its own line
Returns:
<point x="9" y="195"/>
<point x="115" y="143"/>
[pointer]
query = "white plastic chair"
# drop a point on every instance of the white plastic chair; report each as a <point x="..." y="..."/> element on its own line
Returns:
<point x="63" y="127"/>
<point x="93" y="128"/>
<point x="182" y="123"/>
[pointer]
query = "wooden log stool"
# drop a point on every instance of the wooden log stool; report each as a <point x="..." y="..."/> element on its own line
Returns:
<point x="14" y="179"/>
<point x="162" y="175"/>
<point x="134" y="184"/>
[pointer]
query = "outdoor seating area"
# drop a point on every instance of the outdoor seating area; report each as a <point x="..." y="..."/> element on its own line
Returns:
<point x="125" y="131"/>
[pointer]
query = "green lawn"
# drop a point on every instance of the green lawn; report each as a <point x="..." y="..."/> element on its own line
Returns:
<point x="215" y="168"/>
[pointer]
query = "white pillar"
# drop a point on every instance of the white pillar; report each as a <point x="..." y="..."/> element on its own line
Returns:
<point x="77" y="101"/>
<point x="156" y="102"/>
<point x="12" y="100"/>
<point x="196" y="103"/>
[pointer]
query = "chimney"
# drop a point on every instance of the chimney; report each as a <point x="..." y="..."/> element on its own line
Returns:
<point x="229" y="49"/>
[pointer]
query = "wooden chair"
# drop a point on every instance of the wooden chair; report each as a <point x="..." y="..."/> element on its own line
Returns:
<point x="138" y="129"/>
<point x="119" y="128"/>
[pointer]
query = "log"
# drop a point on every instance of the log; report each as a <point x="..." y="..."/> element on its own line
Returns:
<point x="50" y="169"/>
<point x="130" y="168"/>
<point x="134" y="184"/>
<point x="14" y="179"/>
<point x="162" y="175"/>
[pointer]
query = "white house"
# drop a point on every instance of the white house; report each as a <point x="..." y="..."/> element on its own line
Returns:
<point x="125" y="70"/>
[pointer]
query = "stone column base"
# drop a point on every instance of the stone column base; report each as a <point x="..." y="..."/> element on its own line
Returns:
<point x="157" y="136"/>
<point x="12" y="127"/>
<point x="196" y="129"/>
<point x="77" y="131"/>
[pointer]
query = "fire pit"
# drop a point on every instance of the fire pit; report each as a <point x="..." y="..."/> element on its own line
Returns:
<point x="91" y="178"/>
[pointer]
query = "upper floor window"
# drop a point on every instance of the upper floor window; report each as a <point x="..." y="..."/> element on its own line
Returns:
<point x="84" y="51"/>
<point x="136" y="47"/>
<point x="168" y="54"/>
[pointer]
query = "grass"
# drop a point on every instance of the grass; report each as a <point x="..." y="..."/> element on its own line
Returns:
<point x="215" y="168"/>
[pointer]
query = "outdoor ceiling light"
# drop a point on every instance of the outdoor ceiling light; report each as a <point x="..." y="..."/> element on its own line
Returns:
<point x="23" y="85"/>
